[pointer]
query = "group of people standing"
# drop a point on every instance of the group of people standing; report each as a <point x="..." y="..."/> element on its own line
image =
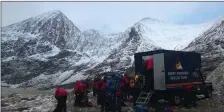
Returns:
<point x="115" y="90"/>
<point x="111" y="92"/>
<point x="81" y="90"/>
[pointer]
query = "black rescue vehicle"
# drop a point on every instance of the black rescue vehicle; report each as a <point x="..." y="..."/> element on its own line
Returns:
<point x="172" y="71"/>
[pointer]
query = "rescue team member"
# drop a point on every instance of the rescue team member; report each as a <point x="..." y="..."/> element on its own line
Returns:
<point x="95" y="87"/>
<point x="137" y="88"/>
<point x="113" y="93"/>
<point x="126" y="87"/>
<point x="121" y="92"/>
<point x="119" y="97"/>
<point x="76" y="92"/>
<point x="131" y="86"/>
<point x="103" y="95"/>
<point x="87" y="84"/>
<point x="61" y="96"/>
<point x="84" y="100"/>
<point x="190" y="96"/>
<point x="148" y="73"/>
<point x="79" y="91"/>
<point x="98" y="86"/>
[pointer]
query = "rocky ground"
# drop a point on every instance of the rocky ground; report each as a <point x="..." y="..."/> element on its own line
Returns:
<point x="33" y="100"/>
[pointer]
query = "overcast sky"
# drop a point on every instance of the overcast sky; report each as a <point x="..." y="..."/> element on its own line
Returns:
<point x="115" y="16"/>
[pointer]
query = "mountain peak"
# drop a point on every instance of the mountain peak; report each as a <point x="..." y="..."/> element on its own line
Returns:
<point x="42" y="23"/>
<point x="91" y="30"/>
<point x="50" y="14"/>
<point x="151" y="19"/>
<point x="55" y="11"/>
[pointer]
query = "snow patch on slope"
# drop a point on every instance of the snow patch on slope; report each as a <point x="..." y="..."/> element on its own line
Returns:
<point x="9" y="58"/>
<point x="63" y="76"/>
<point x="83" y="60"/>
<point x="44" y="80"/>
<point x="171" y="36"/>
<point x="43" y="56"/>
<point x="8" y="36"/>
<point x="77" y="76"/>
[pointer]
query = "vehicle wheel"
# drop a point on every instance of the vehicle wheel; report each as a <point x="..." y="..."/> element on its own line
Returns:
<point x="176" y="100"/>
<point x="208" y="93"/>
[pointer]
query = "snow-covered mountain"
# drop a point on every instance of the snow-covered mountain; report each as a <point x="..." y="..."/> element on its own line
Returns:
<point x="39" y="45"/>
<point x="52" y="26"/>
<point x="211" y="45"/>
<point x="170" y="36"/>
<point x="50" y="50"/>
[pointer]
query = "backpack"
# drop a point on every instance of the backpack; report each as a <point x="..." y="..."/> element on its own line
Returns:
<point x="79" y="88"/>
<point x="112" y="85"/>
<point x="76" y="86"/>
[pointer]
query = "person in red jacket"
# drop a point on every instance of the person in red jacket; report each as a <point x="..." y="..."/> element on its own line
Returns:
<point x="79" y="91"/>
<point x="61" y="96"/>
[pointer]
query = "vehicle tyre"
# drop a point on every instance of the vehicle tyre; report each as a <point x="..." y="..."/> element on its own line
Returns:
<point x="176" y="100"/>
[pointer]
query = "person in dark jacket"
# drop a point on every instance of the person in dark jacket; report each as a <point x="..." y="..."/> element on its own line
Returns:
<point x="113" y="93"/>
<point x="126" y="87"/>
<point x="137" y="88"/>
<point x="194" y="96"/>
<point x="102" y="95"/>
<point x="122" y="90"/>
<point x="61" y="96"/>
<point x="131" y="86"/>
<point x="94" y="87"/>
<point x="98" y="89"/>
<point x="190" y="96"/>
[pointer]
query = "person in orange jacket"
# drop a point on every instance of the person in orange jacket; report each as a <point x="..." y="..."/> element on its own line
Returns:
<point x="61" y="96"/>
